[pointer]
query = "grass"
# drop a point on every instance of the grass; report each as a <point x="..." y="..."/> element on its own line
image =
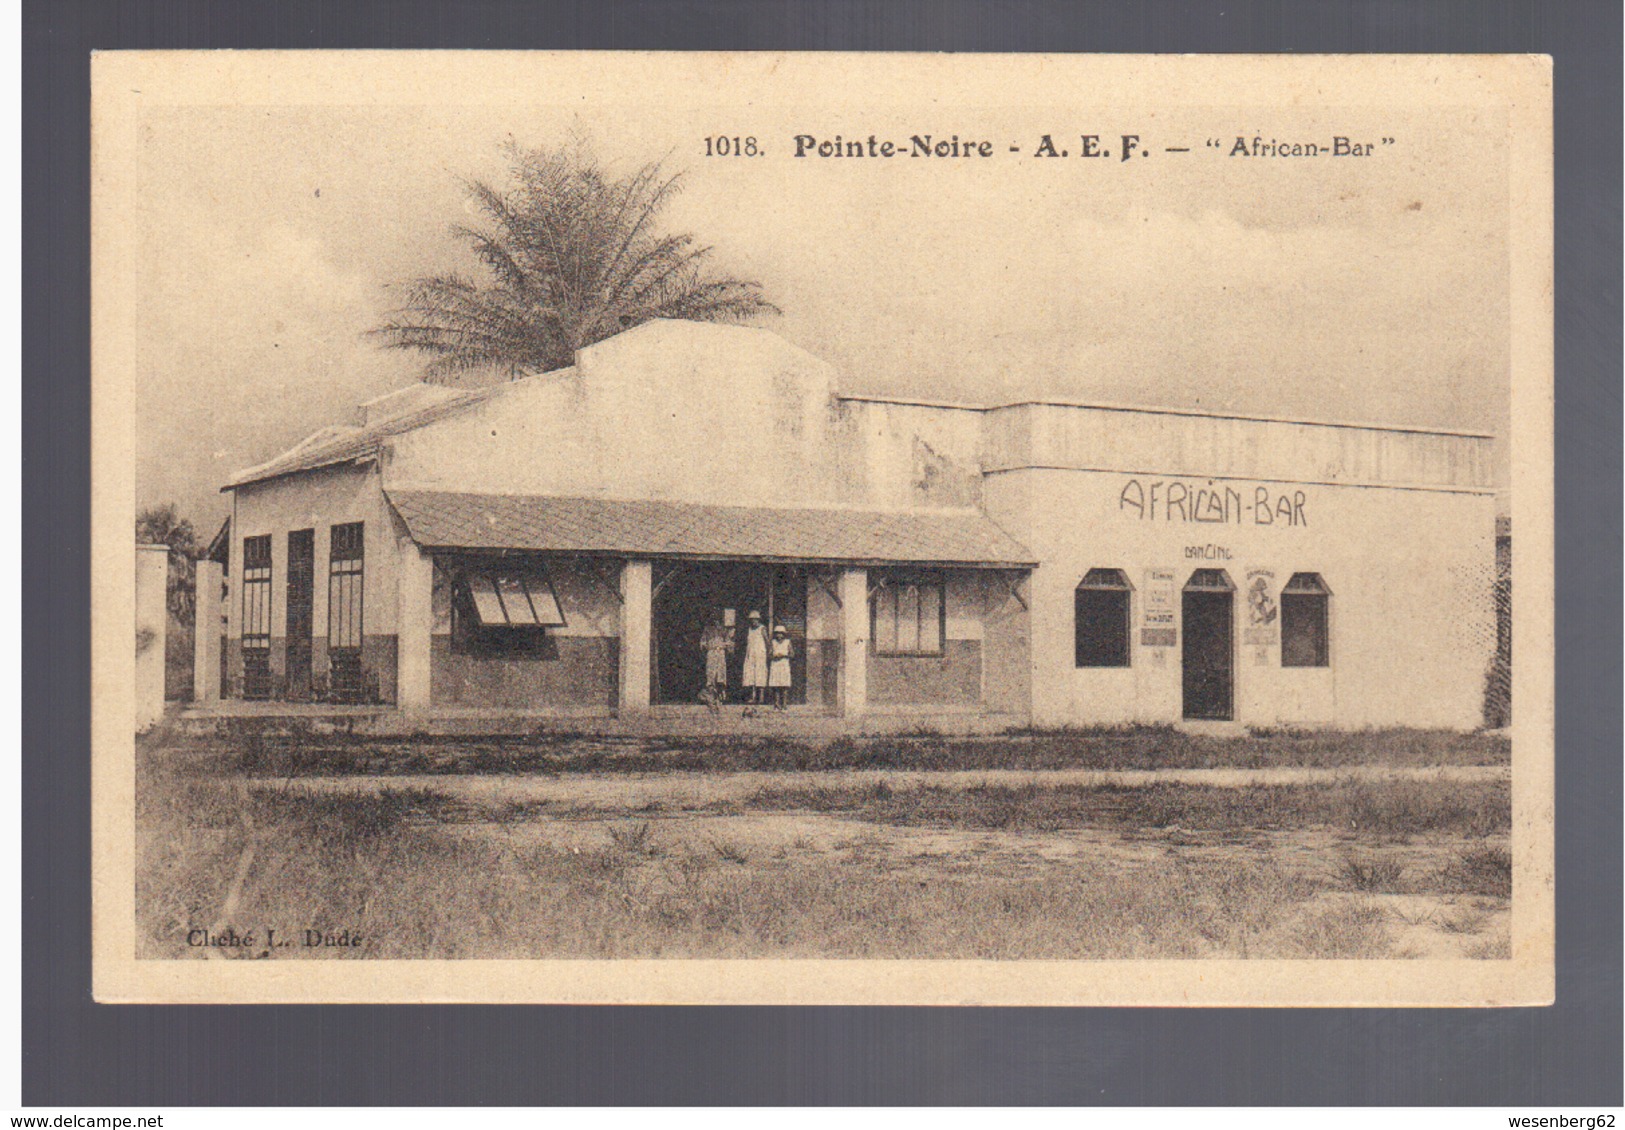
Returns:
<point x="1347" y="930"/>
<point x="1371" y="875"/>
<point x="1386" y="809"/>
<point x="1485" y="871"/>
<point x="1496" y="949"/>
<point x="632" y="838"/>
<point x="364" y="863"/>
<point x="728" y="851"/>
<point x="419" y="872"/>
<point x="259" y="753"/>
<point x="1470" y="920"/>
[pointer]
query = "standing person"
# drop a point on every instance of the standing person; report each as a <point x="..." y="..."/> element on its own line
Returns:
<point x="716" y="642"/>
<point x="755" y="674"/>
<point x="778" y="674"/>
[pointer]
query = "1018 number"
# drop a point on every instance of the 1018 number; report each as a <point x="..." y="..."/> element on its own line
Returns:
<point x="731" y="147"/>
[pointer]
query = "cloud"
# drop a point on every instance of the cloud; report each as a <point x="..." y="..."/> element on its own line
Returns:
<point x="254" y="343"/>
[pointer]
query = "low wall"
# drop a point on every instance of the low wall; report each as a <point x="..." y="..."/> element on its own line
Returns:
<point x="378" y="660"/>
<point x="952" y="679"/>
<point x="572" y="671"/>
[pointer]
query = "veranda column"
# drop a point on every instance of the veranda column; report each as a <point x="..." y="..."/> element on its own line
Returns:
<point x="854" y="591"/>
<point x="637" y="601"/>
<point x="206" y="632"/>
<point x="414" y="629"/>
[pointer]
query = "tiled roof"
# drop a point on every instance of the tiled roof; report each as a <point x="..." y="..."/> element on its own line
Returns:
<point x="440" y="519"/>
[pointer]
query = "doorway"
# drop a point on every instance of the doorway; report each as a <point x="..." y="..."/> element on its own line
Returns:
<point x="691" y="595"/>
<point x="1209" y="653"/>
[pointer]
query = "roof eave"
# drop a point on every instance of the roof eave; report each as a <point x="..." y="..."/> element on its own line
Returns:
<point x="765" y="559"/>
<point x="252" y="479"/>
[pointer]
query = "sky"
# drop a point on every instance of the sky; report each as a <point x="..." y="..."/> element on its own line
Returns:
<point x="1368" y="289"/>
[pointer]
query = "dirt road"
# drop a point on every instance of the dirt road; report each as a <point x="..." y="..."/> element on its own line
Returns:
<point x="684" y="789"/>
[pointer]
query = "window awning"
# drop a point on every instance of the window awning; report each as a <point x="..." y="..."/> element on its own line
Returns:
<point x="1210" y="580"/>
<point x="546" y="524"/>
<point x="1306" y="584"/>
<point x="1110" y="580"/>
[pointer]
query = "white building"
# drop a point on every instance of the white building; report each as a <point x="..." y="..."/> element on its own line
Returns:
<point x="558" y="543"/>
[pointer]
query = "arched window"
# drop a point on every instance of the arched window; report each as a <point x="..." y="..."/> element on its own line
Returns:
<point x="1101" y="624"/>
<point x="1305" y="622"/>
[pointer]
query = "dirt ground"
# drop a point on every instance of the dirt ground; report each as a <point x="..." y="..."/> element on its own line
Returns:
<point x="631" y="791"/>
<point x="1427" y="925"/>
<point x="661" y="817"/>
<point x="1146" y="843"/>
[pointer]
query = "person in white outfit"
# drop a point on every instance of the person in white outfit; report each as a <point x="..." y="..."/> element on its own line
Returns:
<point x="778" y="671"/>
<point x="755" y="673"/>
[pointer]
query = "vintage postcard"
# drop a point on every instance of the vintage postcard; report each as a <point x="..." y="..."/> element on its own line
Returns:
<point x="759" y="528"/>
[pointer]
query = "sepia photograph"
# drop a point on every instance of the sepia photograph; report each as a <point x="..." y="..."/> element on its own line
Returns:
<point x="748" y="528"/>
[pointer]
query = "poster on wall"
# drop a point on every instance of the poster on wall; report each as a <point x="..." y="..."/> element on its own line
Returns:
<point x="1263" y="625"/>
<point x="1160" y="627"/>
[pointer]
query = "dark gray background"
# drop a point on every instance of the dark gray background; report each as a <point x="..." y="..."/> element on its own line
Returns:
<point x="76" y="1052"/>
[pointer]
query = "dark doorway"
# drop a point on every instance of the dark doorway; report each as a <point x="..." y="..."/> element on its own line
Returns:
<point x="1209" y="662"/>
<point x="688" y="596"/>
<point x="301" y="617"/>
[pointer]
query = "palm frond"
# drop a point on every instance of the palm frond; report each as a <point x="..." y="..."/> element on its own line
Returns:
<point x="570" y="256"/>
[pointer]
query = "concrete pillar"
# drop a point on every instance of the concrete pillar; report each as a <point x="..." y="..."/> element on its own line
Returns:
<point x="206" y="632"/>
<point x="853" y="587"/>
<point x="151" y="631"/>
<point x="637" y="608"/>
<point x="415" y="628"/>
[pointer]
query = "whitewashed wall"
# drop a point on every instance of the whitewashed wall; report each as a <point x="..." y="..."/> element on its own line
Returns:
<point x="687" y="412"/>
<point x="1409" y="570"/>
<point x="1173" y="443"/>
<point x="318" y="500"/>
<point x="151" y="626"/>
<point x="675" y="411"/>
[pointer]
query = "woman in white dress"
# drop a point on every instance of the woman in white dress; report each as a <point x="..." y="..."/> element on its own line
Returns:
<point x="755" y="673"/>
<point x="778" y="671"/>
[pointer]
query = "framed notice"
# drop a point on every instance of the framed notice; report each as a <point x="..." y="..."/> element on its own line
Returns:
<point x="1159" y="628"/>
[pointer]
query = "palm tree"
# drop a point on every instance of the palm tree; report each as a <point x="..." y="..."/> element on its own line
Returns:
<point x="572" y="256"/>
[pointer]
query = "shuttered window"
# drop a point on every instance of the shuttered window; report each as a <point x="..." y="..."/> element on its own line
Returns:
<point x="908" y="615"/>
<point x="505" y="610"/>
<point x="512" y="600"/>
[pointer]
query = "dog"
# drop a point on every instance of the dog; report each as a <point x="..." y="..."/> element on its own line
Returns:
<point x="711" y="695"/>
